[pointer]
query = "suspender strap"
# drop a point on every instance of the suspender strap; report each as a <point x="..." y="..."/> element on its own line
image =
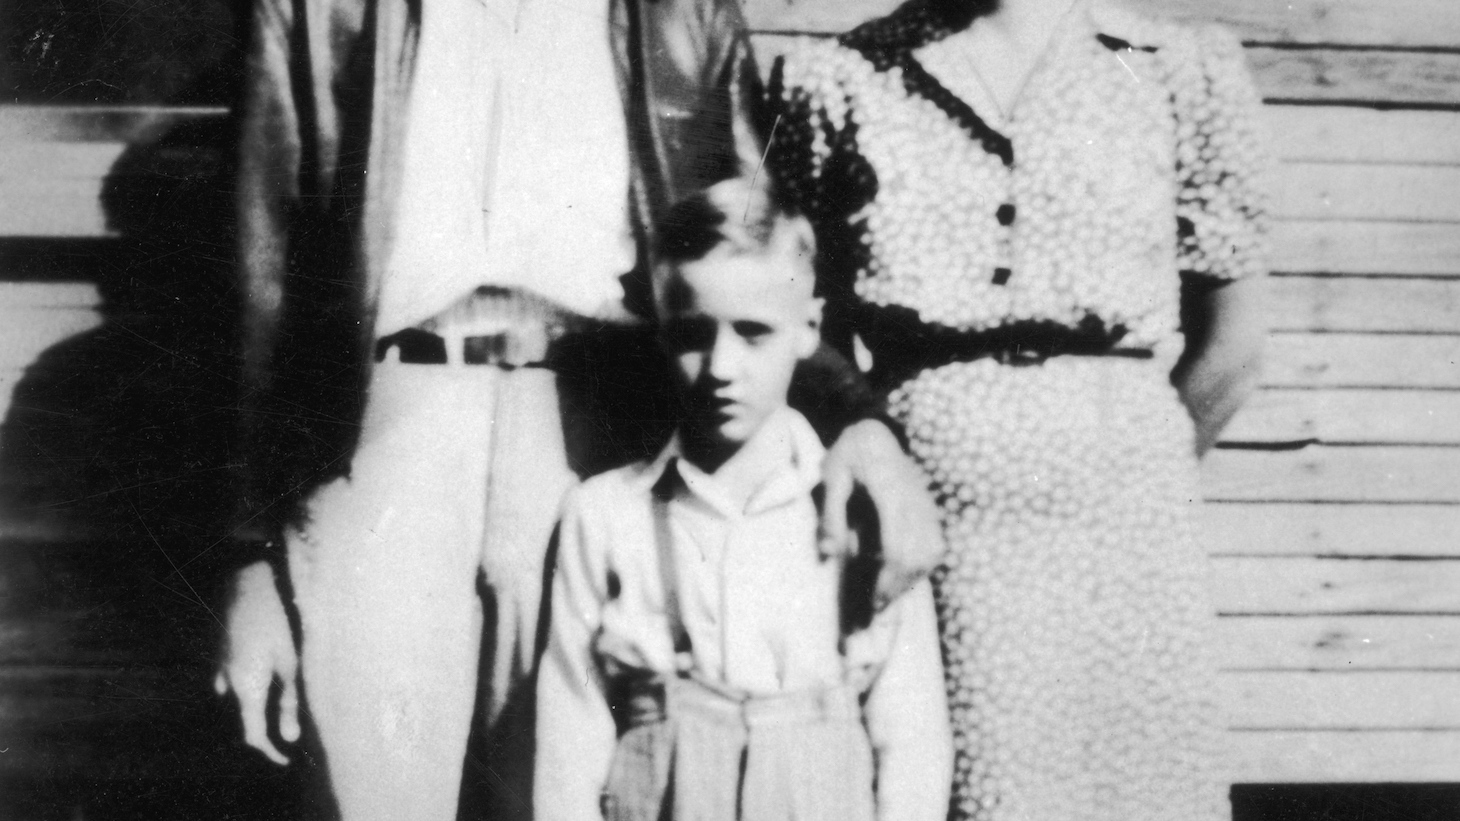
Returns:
<point x="668" y="567"/>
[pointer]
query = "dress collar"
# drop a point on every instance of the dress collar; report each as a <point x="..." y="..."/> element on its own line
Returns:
<point x="917" y="23"/>
<point x="890" y="42"/>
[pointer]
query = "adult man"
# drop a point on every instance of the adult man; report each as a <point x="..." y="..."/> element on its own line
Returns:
<point x="398" y="154"/>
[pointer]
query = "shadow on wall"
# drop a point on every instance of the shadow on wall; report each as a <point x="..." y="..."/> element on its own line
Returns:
<point x="116" y="486"/>
<point x="124" y="430"/>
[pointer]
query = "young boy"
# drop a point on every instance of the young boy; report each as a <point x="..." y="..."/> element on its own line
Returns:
<point x="700" y="663"/>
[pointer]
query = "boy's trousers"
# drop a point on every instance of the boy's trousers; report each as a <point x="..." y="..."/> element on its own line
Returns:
<point x="693" y="752"/>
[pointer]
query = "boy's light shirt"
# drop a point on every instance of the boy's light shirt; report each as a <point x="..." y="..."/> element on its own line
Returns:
<point x="759" y="604"/>
<point x="760" y="607"/>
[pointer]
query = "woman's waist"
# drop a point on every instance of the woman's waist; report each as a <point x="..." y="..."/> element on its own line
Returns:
<point x="901" y="344"/>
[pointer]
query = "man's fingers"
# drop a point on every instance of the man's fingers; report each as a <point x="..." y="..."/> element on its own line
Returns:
<point x="289" y="711"/>
<point x="220" y="683"/>
<point x="255" y="724"/>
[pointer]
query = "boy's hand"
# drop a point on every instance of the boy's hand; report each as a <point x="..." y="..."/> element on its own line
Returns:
<point x="258" y="648"/>
<point x="867" y="454"/>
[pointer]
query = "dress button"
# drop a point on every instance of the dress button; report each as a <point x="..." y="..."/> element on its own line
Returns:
<point x="1006" y="214"/>
<point x="1001" y="275"/>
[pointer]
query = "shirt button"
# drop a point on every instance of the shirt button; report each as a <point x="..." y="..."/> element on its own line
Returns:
<point x="1006" y="214"/>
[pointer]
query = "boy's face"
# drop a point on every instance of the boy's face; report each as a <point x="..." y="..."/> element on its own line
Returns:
<point x="734" y="329"/>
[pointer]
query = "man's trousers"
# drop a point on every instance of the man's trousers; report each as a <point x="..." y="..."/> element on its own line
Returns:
<point x="455" y="485"/>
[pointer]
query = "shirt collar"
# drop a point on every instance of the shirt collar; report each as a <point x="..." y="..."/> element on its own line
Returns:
<point x="795" y="478"/>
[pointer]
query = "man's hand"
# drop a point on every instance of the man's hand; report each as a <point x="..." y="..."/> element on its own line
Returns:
<point x="258" y="648"/>
<point x="867" y="454"/>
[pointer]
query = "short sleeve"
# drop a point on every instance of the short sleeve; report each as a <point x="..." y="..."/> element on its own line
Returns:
<point x="1221" y="159"/>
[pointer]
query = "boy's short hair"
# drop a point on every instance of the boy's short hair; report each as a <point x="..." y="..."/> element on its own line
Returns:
<point x="735" y="217"/>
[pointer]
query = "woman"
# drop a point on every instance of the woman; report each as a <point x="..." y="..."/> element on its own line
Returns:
<point x="1043" y="232"/>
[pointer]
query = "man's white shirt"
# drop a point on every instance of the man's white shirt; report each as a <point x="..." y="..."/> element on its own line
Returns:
<point x="515" y="160"/>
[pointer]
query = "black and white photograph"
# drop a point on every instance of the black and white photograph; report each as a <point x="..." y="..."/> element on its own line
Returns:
<point x="730" y="410"/>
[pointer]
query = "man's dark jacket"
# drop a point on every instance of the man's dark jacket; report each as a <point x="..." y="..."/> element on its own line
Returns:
<point x="325" y="97"/>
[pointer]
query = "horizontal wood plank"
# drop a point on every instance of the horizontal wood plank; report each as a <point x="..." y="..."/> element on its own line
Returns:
<point x="1363" y="304"/>
<point x="1314" y="757"/>
<point x="1332" y="75"/>
<point x="72" y="208"/>
<point x="1362" y="360"/>
<point x="1345" y="22"/>
<point x="57" y="159"/>
<point x="1338" y="643"/>
<point x="50" y="639"/>
<point x="37" y="173"/>
<point x="1355" y="247"/>
<point x="1307" y="586"/>
<point x="1379" y="700"/>
<point x="43" y="296"/>
<point x="122" y="722"/>
<point x="1302" y="133"/>
<point x="24" y="334"/>
<point x="64" y="207"/>
<point x="1307" y="133"/>
<point x="1341" y="134"/>
<point x="1400" y="473"/>
<point x="124" y="124"/>
<point x="1331" y="530"/>
<point x="1348" y="416"/>
<point x="1308" y="75"/>
<point x="1324" y="191"/>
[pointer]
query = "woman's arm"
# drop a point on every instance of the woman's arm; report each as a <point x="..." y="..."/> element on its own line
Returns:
<point x="909" y="532"/>
<point x="814" y="164"/>
<point x="1221" y="230"/>
<point x="1226" y="327"/>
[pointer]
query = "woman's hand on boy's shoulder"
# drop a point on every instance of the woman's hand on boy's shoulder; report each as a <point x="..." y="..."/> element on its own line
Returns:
<point x="868" y="455"/>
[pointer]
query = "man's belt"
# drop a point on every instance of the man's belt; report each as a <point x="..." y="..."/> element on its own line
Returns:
<point x="506" y="327"/>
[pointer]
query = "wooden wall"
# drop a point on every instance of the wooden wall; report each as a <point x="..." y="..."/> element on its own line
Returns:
<point x="116" y="378"/>
<point x="1334" y="502"/>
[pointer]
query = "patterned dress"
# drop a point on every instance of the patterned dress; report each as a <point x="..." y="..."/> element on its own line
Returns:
<point x="1074" y="600"/>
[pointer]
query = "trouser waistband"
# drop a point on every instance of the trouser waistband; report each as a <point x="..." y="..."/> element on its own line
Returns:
<point x="507" y="327"/>
<point x="657" y="700"/>
<point x="708" y="753"/>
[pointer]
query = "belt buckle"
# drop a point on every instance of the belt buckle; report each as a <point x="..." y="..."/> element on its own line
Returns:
<point x="520" y="344"/>
<point x="1020" y="356"/>
<point x="486" y="349"/>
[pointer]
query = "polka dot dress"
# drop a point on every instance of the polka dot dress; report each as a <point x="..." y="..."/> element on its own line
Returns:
<point x="1074" y="600"/>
